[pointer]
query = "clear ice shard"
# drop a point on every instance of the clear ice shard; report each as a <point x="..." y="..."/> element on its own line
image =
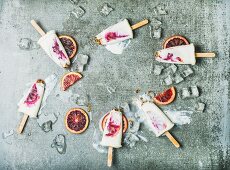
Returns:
<point x="47" y="126"/>
<point x="194" y="91"/>
<point x="168" y="80"/>
<point x="171" y="69"/>
<point x="178" y="78"/>
<point x="125" y="107"/>
<point x="200" y="107"/>
<point x="161" y="9"/>
<point x="142" y="138"/>
<point x="78" y="12"/>
<point x="158" y="69"/>
<point x="185" y="93"/>
<point x="105" y="9"/>
<point x="187" y="72"/>
<point x="59" y="143"/>
<point x="75" y="2"/>
<point x="157" y="33"/>
<point x="27" y="44"/>
<point x="7" y="134"/>
<point x="111" y="89"/>
<point x="42" y="118"/>
<point x="82" y="58"/>
<point x="130" y="139"/>
<point x="155" y="23"/>
<point x="134" y="125"/>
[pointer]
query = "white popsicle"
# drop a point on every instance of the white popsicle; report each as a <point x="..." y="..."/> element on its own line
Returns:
<point x="156" y="119"/>
<point x="112" y="134"/>
<point x="31" y="101"/>
<point x="54" y="49"/>
<point x="184" y="54"/>
<point x="52" y="46"/>
<point x="115" y="33"/>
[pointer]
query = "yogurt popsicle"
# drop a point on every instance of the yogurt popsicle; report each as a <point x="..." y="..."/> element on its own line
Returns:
<point x="112" y="133"/>
<point x="184" y="54"/>
<point x="118" y="32"/>
<point x="30" y="102"/>
<point x="52" y="46"/>
<point x="158" y="121"/>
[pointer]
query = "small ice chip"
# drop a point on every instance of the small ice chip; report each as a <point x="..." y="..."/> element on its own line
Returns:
<point x="105" y="9"/>
<point x="187" y="72"/>
<point x="157" y="33"/>
<point x="7" y="134"/>
<point x="161" y="9"/>
<point x="168" y="80"/>
<point x="78" y="12"/>
<point x="59" y="143"/>
<point x="200" y="107"/>
<point x="75" y="2"/>
<point x="171" y="69"/>
<point x="155" y="23"/>
<point x="111" y="89"/>
<point x="178" y="78"/>
<point x="125" y="107"/>
<point x="185" y="93"/>
<point x="195" y="91"/>
<point x="27" y="44"/>
<point x="134" y="125"/>
<point x="158" y="69"/>
<point x="80" y="68"/>
<point x="47" y="126"/>
<point x="82" y="58"/>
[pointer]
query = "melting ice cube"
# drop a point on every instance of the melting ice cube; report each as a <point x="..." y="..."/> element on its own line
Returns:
<point x="185" y="93"/>
<point x="27" y="44"/>
<point x="75" y="2"/>
<point x="168" y="80"/>
<point x="200" y="107"/>
<point x="47" y="126"/>
<point x="105" y="9"/>
<point x="171" y="69"/>
<point x="177" y="78"/>
<point x="82" y="58"/>
<point x="195" y="91"/>
<point x="59" y="143"/>
<point x="161" y="9"/>
<point x="7" y="134"/>
<point x="78" y="12"/>
<point x="158" y="69"/>
<point x="187" y="72"/>
<point x="125" y="107"/>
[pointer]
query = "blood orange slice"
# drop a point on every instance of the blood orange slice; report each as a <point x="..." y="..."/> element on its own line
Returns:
<point x="69" y="44"/>
<point x="69" y="79"/>
<point x="76" y="120"/>
<point x="166" y="97"/>
<point x="175" y="40"/>
<point x="105" y="118"/>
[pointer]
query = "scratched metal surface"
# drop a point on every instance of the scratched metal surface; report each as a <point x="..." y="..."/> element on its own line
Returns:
<point x="205" y="141"/>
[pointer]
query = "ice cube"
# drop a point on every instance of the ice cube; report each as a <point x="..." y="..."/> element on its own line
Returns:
<point x="125" y="107"/>
<point x="171" y="69"/>
<point x="134" y="125"/>
<point x="157" y="33"/>
<point x="7" y="134"/>
<point x="168" y="80"/>
<point x="47" y="126"/>
<point x="27" y="44"/>
<point x="80" y="68"/>
<point x="158" y="69"/>
<point x="187" y="72"/>
<point x="161" y="9"/>
<point x="194" y="91"/>
<point x="82" y="58"/>
<point x="105" y="9"/>
<point x="42" y="118"/>
<point x="177" y="78"/>
<point x="59" y="143"/>
<point x="78" y="12"/>
<point x="185" y="93"/>
<point x="200" y="107"/>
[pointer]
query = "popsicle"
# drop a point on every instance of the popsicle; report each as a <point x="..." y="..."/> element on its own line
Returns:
<point x="118" y="32"/>
<point x="158" y="121"/>
<point x="184" y="54"/>
<point x="52" y="46"/>
<point x="112" y="133"/>
<point x="30" y="102"/>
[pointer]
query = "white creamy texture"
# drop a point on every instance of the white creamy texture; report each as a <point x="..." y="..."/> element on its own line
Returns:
<point x="31" y="110"/>
<point x="184" y="54"/>
<point x="156" y="119"/>
<point x="47" y="42"/>
<point x="122" y="30"/>
<point x="118" y="48"/>
<point x="113" y="141"/>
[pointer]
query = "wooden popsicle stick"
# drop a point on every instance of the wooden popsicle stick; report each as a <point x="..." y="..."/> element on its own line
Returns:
<point x="22" y="123"/>
<point x="110" y="156"/>
<point x="172" y="139"/>
<point x="37" y="27"/>
<point x="201" y="55"/>
<point x="140" y="24"/>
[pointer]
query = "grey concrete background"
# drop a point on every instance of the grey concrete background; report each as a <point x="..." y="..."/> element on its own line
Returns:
<point x="205" y="140"/>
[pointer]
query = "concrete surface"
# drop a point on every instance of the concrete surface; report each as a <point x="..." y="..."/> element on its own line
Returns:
<point x="205" y="140"/>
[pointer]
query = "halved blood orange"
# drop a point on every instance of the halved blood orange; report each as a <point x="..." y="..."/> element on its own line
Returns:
<point x="76" y="120"/>
<point x="69" y="79"/>
<point x="166" y="97"/>
<point x="175" y="40"/>
<point x="69" y="45"/>
<point x="105" y="118"/>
